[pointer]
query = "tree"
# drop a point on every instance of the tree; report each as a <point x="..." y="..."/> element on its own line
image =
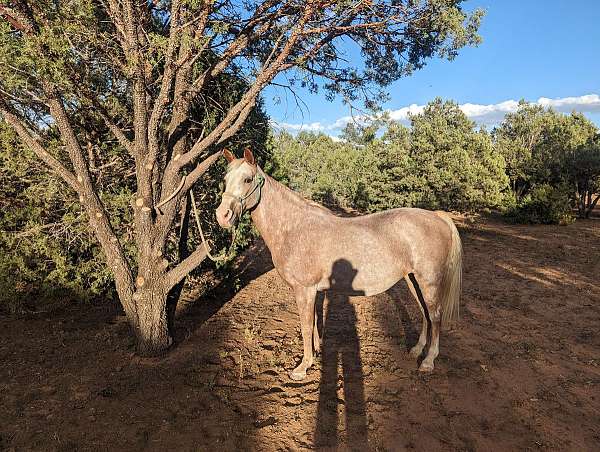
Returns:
<point x="313" y="164"/>
<point x="457" y="164"/>
<point x="140" y="67"/>
<point x="538" y="143"/>
<point x="584" y="171"/>
<point x="46" y="249"/>
<point x="516" y="138"/>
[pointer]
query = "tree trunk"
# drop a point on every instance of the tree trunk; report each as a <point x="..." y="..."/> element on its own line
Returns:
<point x="183" y="252"/>
<point x="592" y="206"/>
<point x="153" y="335"/>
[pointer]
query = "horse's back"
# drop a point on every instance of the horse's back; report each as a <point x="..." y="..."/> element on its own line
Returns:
<point x="367" y="254"/>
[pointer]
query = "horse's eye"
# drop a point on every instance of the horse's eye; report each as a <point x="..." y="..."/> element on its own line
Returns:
<point x="248" y="180"/>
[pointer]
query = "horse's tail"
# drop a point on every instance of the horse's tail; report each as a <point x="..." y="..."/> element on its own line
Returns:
<point x="452" y="278"/>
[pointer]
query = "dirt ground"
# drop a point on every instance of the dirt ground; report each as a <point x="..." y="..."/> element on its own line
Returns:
<point x="521" y="371"/>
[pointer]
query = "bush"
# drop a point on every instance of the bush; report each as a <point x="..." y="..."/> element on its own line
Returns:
<point x="440" y="162"/>
<point x="545" y="204"/>
<point x="45" y="247"/>
<point x="332" y="173"/>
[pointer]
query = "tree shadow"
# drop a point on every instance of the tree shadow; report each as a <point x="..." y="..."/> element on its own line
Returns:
<point x="191" y="315"/>
<point x="341" y="345"/>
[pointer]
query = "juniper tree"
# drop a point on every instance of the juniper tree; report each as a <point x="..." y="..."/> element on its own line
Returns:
<point x="584" y="171"/>
<point x="140" y="65"/>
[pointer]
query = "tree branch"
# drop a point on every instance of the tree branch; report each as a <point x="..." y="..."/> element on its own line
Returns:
<point x="177" y="274"/>
<point x="162" y="100"/>
<point x="262" y="79"/>
<point x="32" y="142"/>
<point x="13" y="18"/>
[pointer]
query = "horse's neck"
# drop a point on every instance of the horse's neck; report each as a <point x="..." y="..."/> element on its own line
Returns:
<point x="278" y="210"/>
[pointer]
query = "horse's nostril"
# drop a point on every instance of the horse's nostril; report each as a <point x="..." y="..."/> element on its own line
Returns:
<point x="228" y="214"/>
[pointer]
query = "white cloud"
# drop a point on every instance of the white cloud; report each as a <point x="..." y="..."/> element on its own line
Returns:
<point x="402" y="113"/>
<point x="585" y="104"/>
<point x="486" y="114"/>
<point x="489" y="114"/>
<point x="312" y="127"/>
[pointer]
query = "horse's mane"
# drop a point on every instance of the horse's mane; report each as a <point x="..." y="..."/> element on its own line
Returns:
<point x="310" y="202"/>
<point x="297" y="196"/>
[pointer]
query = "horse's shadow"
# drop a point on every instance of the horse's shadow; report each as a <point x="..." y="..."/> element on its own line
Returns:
<point x="340" y="346"/>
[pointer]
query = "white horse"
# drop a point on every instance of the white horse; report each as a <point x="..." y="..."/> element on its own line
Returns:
<point x="315" y="250"/>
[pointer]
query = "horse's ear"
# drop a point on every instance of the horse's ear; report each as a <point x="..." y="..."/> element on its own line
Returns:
<point x="248" y="156"/>
<point x="228" y="155"/>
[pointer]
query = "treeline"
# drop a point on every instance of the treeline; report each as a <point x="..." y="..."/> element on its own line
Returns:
<point x="537" y="166"/>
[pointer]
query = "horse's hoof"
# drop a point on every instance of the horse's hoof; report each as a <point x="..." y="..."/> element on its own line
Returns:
<point x="426" y="367"/>
<point x="298" y="375"/>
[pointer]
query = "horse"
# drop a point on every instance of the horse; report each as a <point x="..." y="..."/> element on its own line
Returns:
<point x="308" y="242"/>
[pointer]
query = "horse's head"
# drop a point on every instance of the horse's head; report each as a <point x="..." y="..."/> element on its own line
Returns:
<point x="243" y="184"/>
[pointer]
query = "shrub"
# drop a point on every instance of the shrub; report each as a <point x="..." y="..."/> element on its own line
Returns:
<point x="545" y="204"/>
<point x="440" y="162"/>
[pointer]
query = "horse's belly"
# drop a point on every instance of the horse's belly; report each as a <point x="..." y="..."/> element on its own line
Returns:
<point x="355" y="276"/>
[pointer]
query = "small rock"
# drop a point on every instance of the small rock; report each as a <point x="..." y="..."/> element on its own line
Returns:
<point x="265" y="422"/>
<point x="269" y="344"/>
<point x="293" y="401"/>
<point x="106" y="392"/>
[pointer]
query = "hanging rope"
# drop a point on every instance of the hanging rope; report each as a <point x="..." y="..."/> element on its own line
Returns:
<point x="223" y="257"/>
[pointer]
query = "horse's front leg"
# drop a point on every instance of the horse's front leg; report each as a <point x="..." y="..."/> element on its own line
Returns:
<point x="305" y="298"/>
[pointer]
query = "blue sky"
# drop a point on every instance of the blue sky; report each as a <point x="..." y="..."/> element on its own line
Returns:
<point x="531" y="49"/>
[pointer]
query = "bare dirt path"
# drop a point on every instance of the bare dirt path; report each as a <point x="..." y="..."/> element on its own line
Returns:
<point x="522" y="371"/>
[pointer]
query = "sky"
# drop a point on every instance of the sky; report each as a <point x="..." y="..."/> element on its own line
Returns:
<point x="545" y="51"/>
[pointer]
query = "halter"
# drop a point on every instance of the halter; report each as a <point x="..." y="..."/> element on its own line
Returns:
<point x="259" y="181"/>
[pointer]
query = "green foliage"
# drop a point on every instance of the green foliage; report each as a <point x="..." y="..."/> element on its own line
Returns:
<point x="45" y="246"/>
<point x="545" y="149"/>
<point x="516" y="138"/>
<point x="457" y="164"/>
<point x="584" y="170"/>
<point x="440" y="162"/>
<point x="320" y="168"/>
<point x="545" y="204"/>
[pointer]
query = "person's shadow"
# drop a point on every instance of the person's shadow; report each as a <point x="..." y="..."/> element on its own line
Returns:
<point x="340" y="344"/>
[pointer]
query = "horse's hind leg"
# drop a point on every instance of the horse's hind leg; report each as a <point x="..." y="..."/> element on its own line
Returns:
<point x="428" y="296"/>
<point x="305" y="298"/>
<point x="427" y="364"/>
<point x="420" y="345"/>
<point x="316" y="338"/>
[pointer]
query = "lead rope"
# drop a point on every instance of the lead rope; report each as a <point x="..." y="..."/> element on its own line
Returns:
<point x="222" y="257"/>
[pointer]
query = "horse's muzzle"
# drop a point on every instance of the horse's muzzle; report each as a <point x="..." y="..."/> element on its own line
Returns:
<point x="226" y="217"/>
